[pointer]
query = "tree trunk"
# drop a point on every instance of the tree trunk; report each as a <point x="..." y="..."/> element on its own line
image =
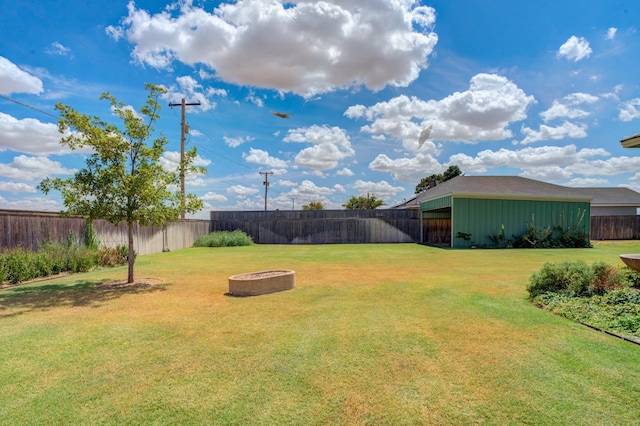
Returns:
<point x="131" y="255"/>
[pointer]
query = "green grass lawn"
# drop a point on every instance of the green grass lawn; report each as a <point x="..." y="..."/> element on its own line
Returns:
<point x="372" y="334"/>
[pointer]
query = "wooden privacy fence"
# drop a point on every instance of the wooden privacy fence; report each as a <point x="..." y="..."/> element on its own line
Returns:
<point x="615" y="227"/>
<point x="29" y="229"/>
<point x="322" y="226"/>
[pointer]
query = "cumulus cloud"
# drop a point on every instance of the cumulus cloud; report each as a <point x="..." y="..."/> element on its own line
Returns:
<point x="15" y="80"/>
<point x="16" y="187"/>
<point x="301" y="47"/>
<point x="237" y="141"/>
<point x="483" y="112"/>
<point x="567" y="107"/>
<point x="330" y="145"/>
<point x="241" y="191"/>
<point x="549" y="163"/>
<point x="566" y="129"/>
<point x="259" y="156"/>
<point x="30" y="136"/>
<point x="28" y="168"/>
<point x="407" y="169"/>
<point x="212" y="196"/>
<point x="611" y="33"/>
<point x="382" y="190"/>
<point x="630" y="110"/>
<point x="187" y="87"/>
<point x="575" y="49"/>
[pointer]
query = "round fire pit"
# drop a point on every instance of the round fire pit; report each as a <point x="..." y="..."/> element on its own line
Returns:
<point x="263" y="282"/>
<point x="631" y="260"/>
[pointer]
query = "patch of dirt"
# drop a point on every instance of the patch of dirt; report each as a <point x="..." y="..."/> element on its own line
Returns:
<point x="138" y="283"/>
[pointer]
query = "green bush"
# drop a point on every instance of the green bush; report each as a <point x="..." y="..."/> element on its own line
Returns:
<point x="19" y="265"/>
<point x="574" y="277"/>
<point x="631" y="277"/>
<point x="224" y="239"/>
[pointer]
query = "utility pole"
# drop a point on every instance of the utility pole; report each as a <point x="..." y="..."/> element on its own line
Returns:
<point x="184" y="129"/>
<point x="266" y="187"/>
<point x="293" y="203"/>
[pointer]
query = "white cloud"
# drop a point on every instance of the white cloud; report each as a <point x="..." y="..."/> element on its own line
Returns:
<point x="407" y="169"/>
<point x="188" y="88"/>
<point x="566" y="129"/>
<point x="16" y="187"/>
<point x="212" y="196"/>
<point x="58" y="49"/>
<point x="32" y="204"/>
<point x="259" y="156"/>
<point x="330" y="145"/>
<point x="382" y="190"/>
<point x="237" y="141"/>
<point x="611" y="33"/>
<point x="483" y="112"/>
<point x="301" y="47"/>
<point x="575" y="49"/>
<point x="241" y="191"/>
<point x="30" y="168"/>
<point x="14" y="80"/>
<point x="344" y="172"/>
<point x="630" y="110"/>
<point x="549" y="163"/>
<point x="30" y="136"/>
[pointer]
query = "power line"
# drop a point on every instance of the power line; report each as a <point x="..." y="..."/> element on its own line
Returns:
<point x="29" y="106"/>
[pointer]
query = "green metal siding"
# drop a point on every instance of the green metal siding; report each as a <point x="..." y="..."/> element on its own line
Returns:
<point x="484" y="217"/>
<point x="435" y="204"/>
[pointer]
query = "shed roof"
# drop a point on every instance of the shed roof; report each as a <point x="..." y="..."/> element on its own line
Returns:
<point x="503" y="187"/>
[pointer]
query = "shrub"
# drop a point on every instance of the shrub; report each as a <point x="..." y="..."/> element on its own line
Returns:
<point x="631" y="277"/>
<point x="574" y="277"/>
<point x="605" y="278"/>
<point x="19" y="266"/>
<point x="112" y="256"/>
<point x="224" y="239"/>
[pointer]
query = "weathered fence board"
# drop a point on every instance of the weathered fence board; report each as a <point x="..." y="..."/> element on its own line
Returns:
<point x="322" y="226"/>
<point x="615" y="227"/>
<point x="29" y="229"/>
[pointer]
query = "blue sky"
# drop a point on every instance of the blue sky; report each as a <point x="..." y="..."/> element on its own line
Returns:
<point x="543" y="89"/>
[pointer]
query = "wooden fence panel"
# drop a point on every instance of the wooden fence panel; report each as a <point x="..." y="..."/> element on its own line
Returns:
<point x="322" y="226"/>
<point x="29" y="229"/>
<point x="615" y="227"/>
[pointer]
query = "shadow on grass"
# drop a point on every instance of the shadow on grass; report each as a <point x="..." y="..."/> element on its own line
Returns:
<point x="23" y="299"/>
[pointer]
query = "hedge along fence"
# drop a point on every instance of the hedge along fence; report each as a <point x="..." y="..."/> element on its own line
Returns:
<point x="322" y="226"/>
<point x="29" y="229"/>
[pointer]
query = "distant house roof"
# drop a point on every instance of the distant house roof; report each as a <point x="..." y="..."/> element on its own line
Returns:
<point x="607" y="197"/>
<point x="632" y="142"/>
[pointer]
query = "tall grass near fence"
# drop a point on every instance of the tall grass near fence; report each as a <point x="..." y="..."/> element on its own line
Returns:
<point x="372" y="334"/>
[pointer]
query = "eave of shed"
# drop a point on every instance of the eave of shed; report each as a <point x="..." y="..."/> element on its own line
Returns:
<point x="632" y="142"/>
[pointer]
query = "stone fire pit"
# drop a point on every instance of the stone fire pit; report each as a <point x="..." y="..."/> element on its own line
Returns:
<point x="263" y="282"/>
<point x="631" y="260"/>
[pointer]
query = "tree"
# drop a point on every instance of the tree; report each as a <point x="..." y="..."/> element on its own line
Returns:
<point x="363" y="202"/>
<point x="313" y="205"/>
<point x="433" y="180"/>
<point x="123" y="180"/>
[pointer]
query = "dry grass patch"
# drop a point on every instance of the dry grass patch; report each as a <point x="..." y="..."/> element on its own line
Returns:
<point x="372" y="334"/>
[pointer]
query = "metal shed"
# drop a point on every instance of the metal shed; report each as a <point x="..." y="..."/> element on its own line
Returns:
<point x="467" y="210"/>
